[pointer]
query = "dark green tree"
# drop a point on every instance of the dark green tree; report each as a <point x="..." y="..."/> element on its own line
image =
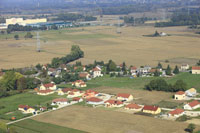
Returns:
<point x="111" y="66"/>
<point x="190" y="128"/>
<point x="176" y="70"/>
<point x="16" y="37"/>
<point x="168" y="70"/>
<point x="156" y="73"/>
<point x="28" y="35"/>
<point x="156" y="33"/>
<point x="198" y="63"/>
<point x="21" y="84"/>
<point x="159" y="66"/>
<point x="180" y="85"/>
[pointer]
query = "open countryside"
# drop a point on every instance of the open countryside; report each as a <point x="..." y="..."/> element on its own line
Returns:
<point x="98" y="42"/>
<point x="106" y="66"/>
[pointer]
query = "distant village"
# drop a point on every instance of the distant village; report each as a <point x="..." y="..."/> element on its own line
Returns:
<point x="75" y="94"/>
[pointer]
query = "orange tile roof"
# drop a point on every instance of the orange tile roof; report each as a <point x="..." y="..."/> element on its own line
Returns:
<point x="124" y="95"/>
<point x="45" y="91"/>
<point x="59" y="100"/>
<point x="194" y="103"/>
<point x="180" y="93"/>
<point x="196" y="68"/>
<point x="133" y="106"/>
<point x="94" y="99"/>
<point x="114" y="102"/>
<point x="176" y="111"/>
<point x="151" y="108"/>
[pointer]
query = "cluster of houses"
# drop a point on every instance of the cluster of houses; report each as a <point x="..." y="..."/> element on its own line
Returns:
<point x="25" y="109"/>
<point x="181" y="95"/>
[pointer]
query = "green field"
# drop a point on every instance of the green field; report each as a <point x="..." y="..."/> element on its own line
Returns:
<point x="140" y="82"/>
<point x="11" y="103"/>
<point x="32" y="126"/>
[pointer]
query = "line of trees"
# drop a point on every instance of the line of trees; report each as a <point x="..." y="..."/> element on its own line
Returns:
<point x="76" y="53"/>
<point x="18" y="27"/>
<point x="74" y="17"/>
<point x="161" y="85"/>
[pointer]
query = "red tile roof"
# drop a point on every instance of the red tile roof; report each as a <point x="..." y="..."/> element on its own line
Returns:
<point x="45" y="91"/>
<point x="59" y="100"/>
<point x="194" y="103"/>
<point x="196" y="68"/>
<point x="133" y="106"/>
<point x="180" y="93"/>
<point x="67" y="89"/>
<point x="176" y="111"/>
<point x="48" y="85"/>
<point x="94" y="99"/>
<point x="76" y="98"/>
<point x="151" y="108"/>
<point x="114" y="102"/>
<point x="133" y="68"/>
<point x="124" y="95"/>
<point x="24" y="106"/>
<point x="91" y="91"/>
<point x="83" y="75"/>
<point x="96" y="69"/>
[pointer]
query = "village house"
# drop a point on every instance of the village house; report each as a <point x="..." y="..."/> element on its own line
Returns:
<point x="75" y="93"/>
<point x="26" y="109"/>
<point x="133" y="107"/>
<point x="64" y="91"/>
<point x="191" y="92"/>
<point x="196" y="70"/>
<point x="176" y="113"/>
<point x="77" y="99"/>
<point x="143" y="70"/>
<point x="180" y="95"/>
<point x="79" y="83"/>
<point x="49" y="86"/>
<point x="151" y="109"/>
<point x="89" y="93"/>
<point x="85" y="75"/>
<point x="153" y="70"/>
<point x="45" y="92"/>
<point x="97" y="72"/>
<point x="44" y="67"/>
<point x="184" y="67"/>
<point x="43" y="109"/>
<point x="60" y="101"/>
<point x="192" y="105"/>
<point x="94" y="101"/>
<point x="113" y="103"/>
<point x="133" y="71"/>
<point x="51" y="71"/>
<point x="124" y="97"/>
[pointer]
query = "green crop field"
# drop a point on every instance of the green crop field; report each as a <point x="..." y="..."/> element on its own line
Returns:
<point x="32" y="126"/>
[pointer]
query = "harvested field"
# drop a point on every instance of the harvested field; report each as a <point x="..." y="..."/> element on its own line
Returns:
<point x="103" y="43"/>
<point x="97" y="120"/>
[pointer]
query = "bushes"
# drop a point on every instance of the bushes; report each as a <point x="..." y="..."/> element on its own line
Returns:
<point x="161" y="85"/>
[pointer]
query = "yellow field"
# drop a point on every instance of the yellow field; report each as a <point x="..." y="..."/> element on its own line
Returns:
<point x="103" y="43"/>
<point x="96" y="120"/>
